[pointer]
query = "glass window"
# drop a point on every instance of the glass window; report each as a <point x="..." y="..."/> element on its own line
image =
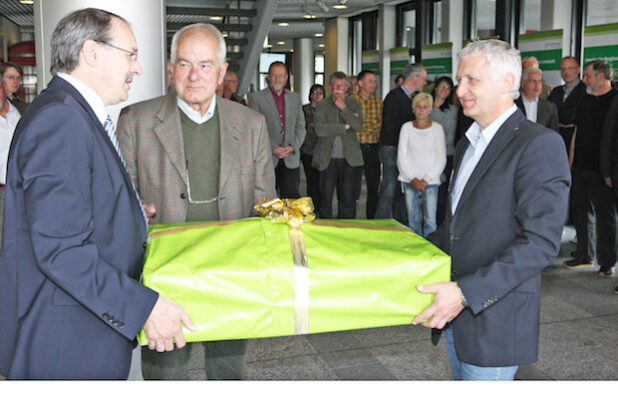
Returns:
<point x="601" y="12"/>
<point x="408" y="37"/>
<point x="437" y="22"/>
<point x="485" y="17"/>
<point x="357" y="45"/>
<point x="532" y="16"/>
<point x="319" y="68"/>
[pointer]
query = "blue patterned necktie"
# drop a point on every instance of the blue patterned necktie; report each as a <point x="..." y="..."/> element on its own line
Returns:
<point x="111" y="132"/>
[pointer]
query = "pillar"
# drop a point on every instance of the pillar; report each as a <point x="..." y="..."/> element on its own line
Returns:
<point x="335" y="49"/>
<point x="304" y="67"/>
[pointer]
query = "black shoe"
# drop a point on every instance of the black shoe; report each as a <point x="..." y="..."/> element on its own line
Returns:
<point x="606" y="272"/>
<point x="616" y="290"/>
<point x="575" y="264"/>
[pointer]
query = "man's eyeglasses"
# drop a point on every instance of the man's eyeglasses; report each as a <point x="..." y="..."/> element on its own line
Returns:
<point x="132" y="54"/>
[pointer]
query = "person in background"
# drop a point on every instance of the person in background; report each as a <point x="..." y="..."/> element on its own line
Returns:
<point x="534" y="107"/>
<point x="533" y="62"/>
<point x="9" y="116"/>
<point x="445" y="113"/>
<point x="230" y="88"/>
<point x="368" y="138"/>
<point x="398" y="81"/>
<point x="12" y="75"/>
<point x="316" y="94"/>
<point x="421" y="157"/>
<point x="353" y="87"/>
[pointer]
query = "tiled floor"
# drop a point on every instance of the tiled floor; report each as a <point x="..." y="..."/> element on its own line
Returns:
<point x="578" y="340"/>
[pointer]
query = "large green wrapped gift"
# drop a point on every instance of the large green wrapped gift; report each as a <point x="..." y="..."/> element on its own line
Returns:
<point x="241" y="279"/>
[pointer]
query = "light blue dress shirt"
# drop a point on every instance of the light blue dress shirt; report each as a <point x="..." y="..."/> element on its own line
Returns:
<point x="479" y="140"/>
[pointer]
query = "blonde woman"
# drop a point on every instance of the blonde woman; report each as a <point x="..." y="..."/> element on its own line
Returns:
<point x="421" y="158"/>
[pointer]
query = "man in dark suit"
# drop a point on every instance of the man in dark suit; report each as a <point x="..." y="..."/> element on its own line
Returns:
<point x="567" y="97"/>
<point x="508" y="202"/>
<point x="285" y="120"/>
<point x="70" y="299"/>
<point x="535" y="108"/>
<point x="397" y="110"/>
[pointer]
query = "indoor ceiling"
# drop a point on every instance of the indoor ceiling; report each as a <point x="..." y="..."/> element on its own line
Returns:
<point x="292" y="12"/>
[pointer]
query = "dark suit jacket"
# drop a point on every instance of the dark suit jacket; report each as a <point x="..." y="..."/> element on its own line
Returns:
<point x="506" y="229"/>
<point x="567" y="109"/>
<point x="609" y="145"/>
<point x="73" y="243"/>
<point x="396" y="111"/>
<point x="546" y="113"/>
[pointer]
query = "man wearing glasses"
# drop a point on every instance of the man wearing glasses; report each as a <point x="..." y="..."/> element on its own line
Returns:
<point x="197" y="157"/>
<point x="74" y="227"/>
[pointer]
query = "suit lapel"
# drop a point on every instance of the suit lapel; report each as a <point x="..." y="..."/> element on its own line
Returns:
<point x="503" y="136"/>
<point x="169" y="133"/>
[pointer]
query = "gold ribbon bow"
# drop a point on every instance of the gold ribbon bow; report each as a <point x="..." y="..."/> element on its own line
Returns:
<point x="294" y="212"/>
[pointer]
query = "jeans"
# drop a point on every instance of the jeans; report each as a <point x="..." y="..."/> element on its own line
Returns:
<point x="423" y="223"/>
<point x="464" y="371"/>
<point x="341" y="175"/>
<point x="391" y="203"/>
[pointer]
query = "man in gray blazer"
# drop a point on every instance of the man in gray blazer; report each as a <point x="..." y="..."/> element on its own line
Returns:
<point x="337" y="153"/>
<point x="535" y="108"/>
<point x="286" y="127"/>
<point x="508" y="201"/>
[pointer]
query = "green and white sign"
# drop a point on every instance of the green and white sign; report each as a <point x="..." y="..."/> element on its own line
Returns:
<point x="601" y="42"/>
<point x="371" y="61"/>
<point x="438" y="60"/>
<point x="400" y="58"/>
<point x="546" y="47"/>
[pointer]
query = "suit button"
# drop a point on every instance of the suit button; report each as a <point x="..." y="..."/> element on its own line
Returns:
<point x="183" y="196"/>
<point x="144" y="245"/>
<point x="105" y="316"/>
<point x="120" y="325"/>
<point x="454" y="238"/>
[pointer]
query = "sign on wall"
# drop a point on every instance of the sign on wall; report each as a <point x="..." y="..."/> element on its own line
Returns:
<point x="438" y="60"/>
<point x="400" y="58"/>
<point x="601" y="42"/>
<point x="546" y="47"/>
<point x="371" y="61"/>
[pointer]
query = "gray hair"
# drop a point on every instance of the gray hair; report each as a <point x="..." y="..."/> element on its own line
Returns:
<point x="600" y="67"/>
<point x="524" y="75"/>
<point x="501" y="58"/>
<point x="75" y="29"/>
<point x="412" y="70"/>
<point x="206" y="28"/>
<point x="532" y="59"/>
<point x="340" y="75"/>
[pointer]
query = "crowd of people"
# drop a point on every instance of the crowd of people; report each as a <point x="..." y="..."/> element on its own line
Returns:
<point x="482" y="169"/>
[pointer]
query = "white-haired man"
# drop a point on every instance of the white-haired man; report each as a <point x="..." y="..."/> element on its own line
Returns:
<point x="535" y="108"/>
<point x="532" y="61"/>
<point x="507" y="208"/>
<point x="197" y="157"/>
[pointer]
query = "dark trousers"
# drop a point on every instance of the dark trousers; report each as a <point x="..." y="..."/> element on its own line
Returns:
<point x="443" y="191"/>
<point x="345" y="178"/>
<point x="313" y="180"/>
<point x="391" y="203"/>
<point x="591" y="196"/>
<point x="287" y="180"/>
<point x="372" y="177"/>
<point x="224" y="360"/>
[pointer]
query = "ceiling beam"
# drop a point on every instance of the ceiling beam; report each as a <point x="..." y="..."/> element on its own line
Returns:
<point x="210" y="11"/>
<point x="173" y="26"/>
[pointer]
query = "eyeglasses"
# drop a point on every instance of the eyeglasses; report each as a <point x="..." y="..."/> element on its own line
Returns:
<point x="318" y="92"/>
<point x="13" y="77"/>
<point x="189" y="192"/>
<point x="132" y="54"/>
<point x="445" y="87"/>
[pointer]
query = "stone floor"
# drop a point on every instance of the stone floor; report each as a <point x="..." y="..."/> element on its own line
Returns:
<point x="578" y="340"/>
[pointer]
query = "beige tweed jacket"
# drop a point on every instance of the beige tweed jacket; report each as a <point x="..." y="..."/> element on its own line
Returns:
<point x="150" y="138"/>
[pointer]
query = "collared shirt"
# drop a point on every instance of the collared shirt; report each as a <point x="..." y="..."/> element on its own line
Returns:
<point x="406" y="91"/>
<point x="280" y="104"/>
<point x="372" y="119"/>
<point x="566" y="91"/>
<point x="91" y="97"/>
<point x="194" y="115"/>
<point x="7" y="128"/>
<point x="479" y="140"/>
<point x="532" y="108"/>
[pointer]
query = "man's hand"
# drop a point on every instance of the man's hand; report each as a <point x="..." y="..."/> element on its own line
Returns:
<point x="281" y="152"/>
<point x="418" y="184"/>
<point x="608" y="182"/>
<point x="447" y="304"/>
<point x="164" y="326"/>
<point x="150" y="210"/>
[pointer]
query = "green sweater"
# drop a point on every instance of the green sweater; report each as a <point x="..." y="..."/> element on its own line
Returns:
<point x="202" y="152"/>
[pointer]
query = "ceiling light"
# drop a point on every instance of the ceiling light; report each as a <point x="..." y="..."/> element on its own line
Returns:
<point x="309" y="16"/>
<point x="225" y="35"/>
<point x="340" y="6"/>
<point x="268" y="46"/>
<point x="283" y="24"/>
<point x="216" y="18"/>
<point x="280" y="42"/>
<point x="319" y="35"/>
<point x="26" y="1"/>
<point x="321" y="46"/>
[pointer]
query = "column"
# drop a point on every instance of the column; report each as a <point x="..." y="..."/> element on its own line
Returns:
<point x="304" y="67"/>
<point x="335" y="49"/>
<point x="386" y="41"/>
<point x="146" y="18"/>
<point x="452" y="27"/>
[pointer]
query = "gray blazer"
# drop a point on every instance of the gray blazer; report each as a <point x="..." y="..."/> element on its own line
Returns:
<point x="295" y="131"/>
<point x="546" y="114"/>
<point x="329" y="122"/>
<point x="505" y="230"/>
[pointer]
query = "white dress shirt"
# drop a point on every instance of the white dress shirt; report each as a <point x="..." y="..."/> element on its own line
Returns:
<point x="479" y="140"/>
<point x="7" y="128"/>
<point x="531" y="107"/>
<point x="195" y="115"/>
<point x="91" y="97"/>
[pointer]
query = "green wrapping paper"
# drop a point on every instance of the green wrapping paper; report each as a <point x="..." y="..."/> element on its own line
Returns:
<point x="236" y="279"/>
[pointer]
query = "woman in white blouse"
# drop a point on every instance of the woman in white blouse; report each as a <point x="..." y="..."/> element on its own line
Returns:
<point x="421" y="157"/>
